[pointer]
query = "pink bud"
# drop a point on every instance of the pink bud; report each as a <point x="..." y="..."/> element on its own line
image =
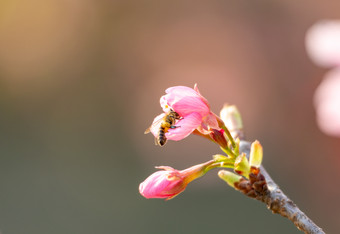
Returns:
<point x="171" y="182"/>
<point x="219" y="137"/>
<point x="163" y="184"/>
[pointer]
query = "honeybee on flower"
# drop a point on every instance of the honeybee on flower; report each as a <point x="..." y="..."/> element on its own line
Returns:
<point x="163" y="124"/>
<point x="185" y="110"/>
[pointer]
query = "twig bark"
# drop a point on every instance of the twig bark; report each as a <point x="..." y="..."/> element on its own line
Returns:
<point x="279" y="203"/>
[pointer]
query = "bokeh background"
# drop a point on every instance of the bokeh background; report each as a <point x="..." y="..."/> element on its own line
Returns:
<point x="80" y="81"/>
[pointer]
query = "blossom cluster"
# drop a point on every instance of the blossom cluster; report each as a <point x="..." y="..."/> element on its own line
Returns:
<point x="323" y="47"/>
<point x="186" y="111"/>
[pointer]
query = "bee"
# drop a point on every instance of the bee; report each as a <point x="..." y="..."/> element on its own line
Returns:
<point x="166" y="123"/>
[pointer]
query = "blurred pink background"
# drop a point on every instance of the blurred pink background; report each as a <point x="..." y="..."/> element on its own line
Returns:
<point x="81" y="80"/>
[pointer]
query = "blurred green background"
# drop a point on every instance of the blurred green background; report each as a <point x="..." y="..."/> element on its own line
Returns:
<point x="80" y="81"/>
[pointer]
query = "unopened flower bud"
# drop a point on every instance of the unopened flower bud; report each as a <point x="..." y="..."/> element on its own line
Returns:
<point x="170" y="182"/>
<point x="229" y="177"/>
<point x="219" y="137"/>
<point x="256" y="154"/>
<point x="232" y="119"/>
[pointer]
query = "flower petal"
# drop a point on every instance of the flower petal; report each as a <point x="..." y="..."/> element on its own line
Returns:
<point x="177" y="93"/>
<point x="181" y="91"/>
<point x="208" y="122"/>
<point x="189" y="105"/>
<point x="185" y="126"/>
<point x="184" y="100"/>
<point x="203" y="98"/>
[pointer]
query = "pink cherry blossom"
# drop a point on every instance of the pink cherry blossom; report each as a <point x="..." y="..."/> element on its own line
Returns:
<point x="323" y="43"/>
<point x="170" y="182"/>
<point x="327" y="103"/>
<point x="193" y="108"/>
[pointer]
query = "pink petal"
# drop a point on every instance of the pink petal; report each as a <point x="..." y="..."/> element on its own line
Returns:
<point x="203" y="98"/>
<point x="184" y="100"/>
<point x="175" y="94"/>
<point x="208" y="122"/>
<point x="181" y="91"/>
<point x="186" y="126"/>
<point x="188" y="105"/>
<point x="211" y="121"/>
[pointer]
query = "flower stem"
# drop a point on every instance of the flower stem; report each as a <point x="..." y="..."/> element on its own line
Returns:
<point x="227" y="132"/>
<point x="220" y="165"/>
<point x="221" y="124"/>
<point x="228" y="151"/>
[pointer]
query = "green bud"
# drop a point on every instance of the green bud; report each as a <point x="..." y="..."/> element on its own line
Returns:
<point x="232" y="119"/>
<point x="256" y="154"/>
<point x="229" y="177"/>
<point x="242" y="165"/>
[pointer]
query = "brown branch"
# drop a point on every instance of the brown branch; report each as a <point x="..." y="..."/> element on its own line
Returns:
<point x="263" y="188"/>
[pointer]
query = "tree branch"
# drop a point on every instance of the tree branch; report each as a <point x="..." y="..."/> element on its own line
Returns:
<point x="277" y="201"/>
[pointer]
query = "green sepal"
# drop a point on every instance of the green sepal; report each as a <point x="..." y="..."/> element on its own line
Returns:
<point x="242" y="165"/>
<point x="224" y="161"/>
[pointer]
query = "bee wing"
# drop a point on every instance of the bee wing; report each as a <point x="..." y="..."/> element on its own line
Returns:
<point x="156" y="142"/>
<point x="147" y="130"/>
<point x="155" y="124"/>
